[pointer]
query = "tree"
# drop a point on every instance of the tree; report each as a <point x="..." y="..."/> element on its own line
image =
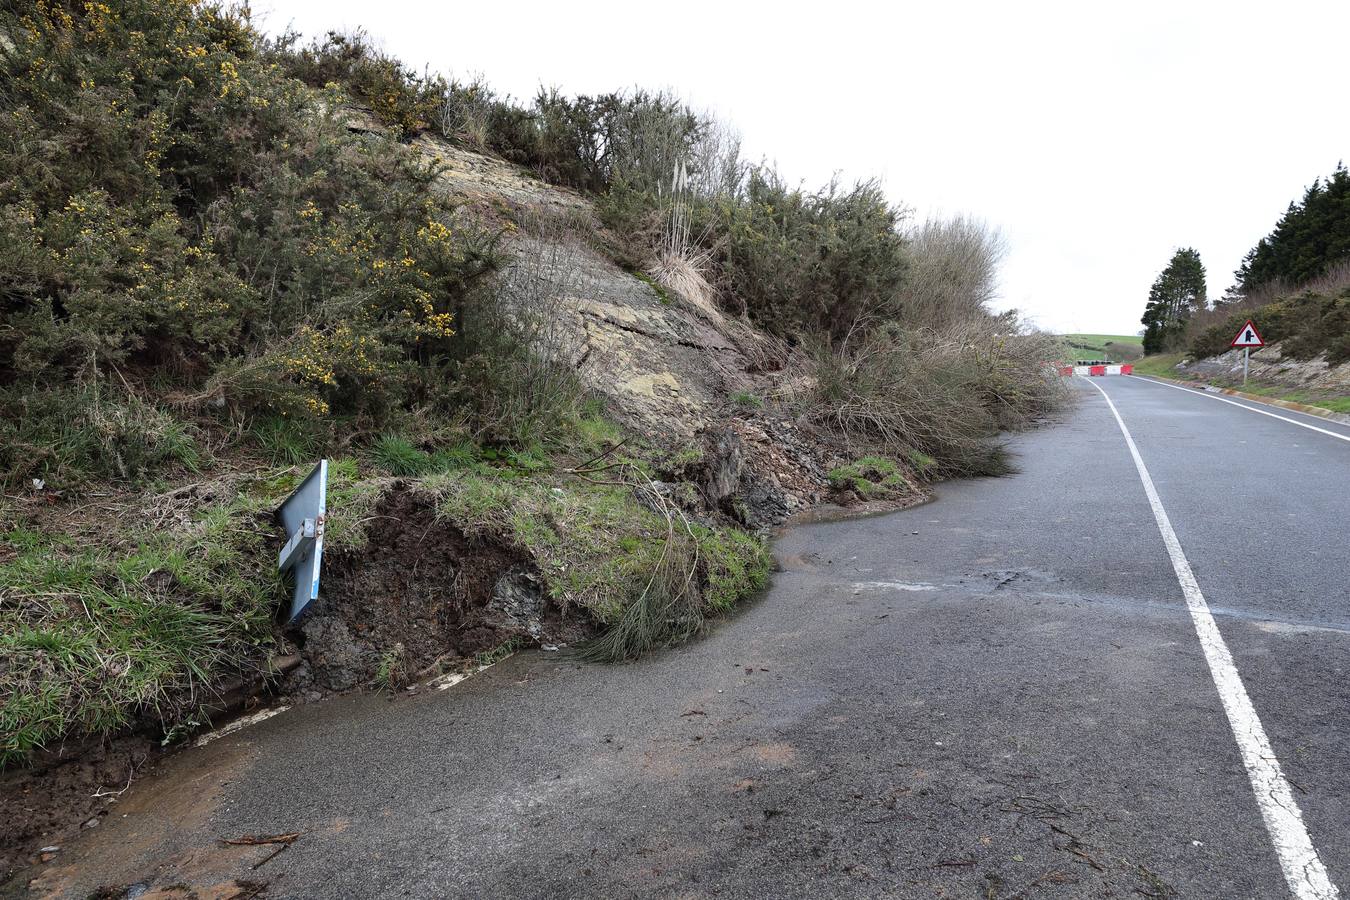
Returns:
<point x="1178" y="291"/>
<point x="1312" y="234"/>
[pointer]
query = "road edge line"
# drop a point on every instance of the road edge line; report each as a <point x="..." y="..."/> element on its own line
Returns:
<point x="1306" y="409"/>
<point x="1303" y="869"/>
<point x="1264" y="412"/>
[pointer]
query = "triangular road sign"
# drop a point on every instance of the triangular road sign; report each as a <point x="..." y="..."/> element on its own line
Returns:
<point x="1248" y="336"/>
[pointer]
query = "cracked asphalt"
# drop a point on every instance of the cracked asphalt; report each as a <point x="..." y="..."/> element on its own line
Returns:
<point x="999" y="694"/>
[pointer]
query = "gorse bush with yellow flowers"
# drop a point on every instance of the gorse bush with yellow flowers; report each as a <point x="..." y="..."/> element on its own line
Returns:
<point x="185" y="227"/>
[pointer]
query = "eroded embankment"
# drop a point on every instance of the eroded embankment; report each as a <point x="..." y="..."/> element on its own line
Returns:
<point x="419" y="594"/>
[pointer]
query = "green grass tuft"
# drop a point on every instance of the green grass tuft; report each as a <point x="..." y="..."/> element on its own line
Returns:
<point x="872" y="478"/>
<point x="99" y="637"/>
<point x="287" y="441"/>
<point x="747" y="400"/>
<point x="397" y="456"/>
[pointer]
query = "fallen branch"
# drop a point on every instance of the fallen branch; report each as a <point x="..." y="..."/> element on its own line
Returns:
<point x="252" y="840"/>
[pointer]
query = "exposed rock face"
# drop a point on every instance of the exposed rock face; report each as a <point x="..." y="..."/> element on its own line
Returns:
<point x="666" y="370"/>
<point x="1270" y="365"/>
<point x="667" y="364"/>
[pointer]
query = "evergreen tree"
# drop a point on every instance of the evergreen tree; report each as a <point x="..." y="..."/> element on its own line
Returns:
<point x="1312" y="234"/>
<point x="1178" y="291"/>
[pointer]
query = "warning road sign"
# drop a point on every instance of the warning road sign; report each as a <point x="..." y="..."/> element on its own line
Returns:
<point x="1248" y="337"/>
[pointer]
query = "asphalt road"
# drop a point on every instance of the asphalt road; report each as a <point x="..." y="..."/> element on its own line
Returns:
<point x="999" y="694"/>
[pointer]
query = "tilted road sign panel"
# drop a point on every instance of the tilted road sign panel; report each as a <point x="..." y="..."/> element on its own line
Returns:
<point x="303" y="515"/>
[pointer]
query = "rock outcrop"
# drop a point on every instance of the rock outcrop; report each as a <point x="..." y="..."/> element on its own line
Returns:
<point x="1271" y="366"/>
<point x="668" y="365"/>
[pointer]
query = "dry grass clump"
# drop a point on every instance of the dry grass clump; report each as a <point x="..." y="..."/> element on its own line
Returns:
<point x="939" y="394"/>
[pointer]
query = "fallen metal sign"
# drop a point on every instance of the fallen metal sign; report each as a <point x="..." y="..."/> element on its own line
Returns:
<point x="303" y="515"/>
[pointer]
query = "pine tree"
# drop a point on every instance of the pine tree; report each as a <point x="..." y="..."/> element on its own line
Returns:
<point x="1312" y="235"/>
<point x="1178" y="291"/>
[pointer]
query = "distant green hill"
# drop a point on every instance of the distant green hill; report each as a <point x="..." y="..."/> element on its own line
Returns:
<point x="1116" y="347"/>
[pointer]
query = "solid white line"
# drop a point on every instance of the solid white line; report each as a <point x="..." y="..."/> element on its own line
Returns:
<point x="445" y="682"/>
<point x="240" y="724"/>
<point x="1344" y="437"/>
<point x="1303" y="870"/>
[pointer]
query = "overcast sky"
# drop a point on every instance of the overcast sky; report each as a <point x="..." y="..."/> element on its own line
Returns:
<point x="1098" y="137"/>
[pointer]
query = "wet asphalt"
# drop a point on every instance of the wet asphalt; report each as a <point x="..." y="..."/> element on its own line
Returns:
<point x="998" y="694"/>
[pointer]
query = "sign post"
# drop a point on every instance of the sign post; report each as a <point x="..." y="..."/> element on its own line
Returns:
<point x="1247" y="338"/>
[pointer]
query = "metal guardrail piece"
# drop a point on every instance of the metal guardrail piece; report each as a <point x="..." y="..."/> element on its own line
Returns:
<point x="303" y="515"/>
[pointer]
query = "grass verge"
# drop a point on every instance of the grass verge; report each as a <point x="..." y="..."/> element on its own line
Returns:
<point x="105" y="627"/>
<point x="618" y="551"/>
<point x="1162" y="364"/>
<point x="96" y="636"/>
<point x="1337" y="404"/>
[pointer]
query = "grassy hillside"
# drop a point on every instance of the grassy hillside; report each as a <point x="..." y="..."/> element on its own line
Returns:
<point x="1115" y="347"/>
<point x="1163" y="364"/>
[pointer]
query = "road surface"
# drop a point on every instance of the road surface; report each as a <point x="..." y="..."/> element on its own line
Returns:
<point x="1005" y="693"/>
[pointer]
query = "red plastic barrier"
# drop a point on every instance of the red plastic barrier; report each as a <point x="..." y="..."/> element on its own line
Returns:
<point x="1066" y="370"/>
<point x="1096" y="370"/>
<point x="1127" y="370"/>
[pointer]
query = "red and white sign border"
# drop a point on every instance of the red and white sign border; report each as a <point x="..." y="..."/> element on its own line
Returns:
<point x="1260" y="341"/>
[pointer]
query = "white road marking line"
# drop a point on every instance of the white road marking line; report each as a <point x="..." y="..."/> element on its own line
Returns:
<point x="1177" y="387"/>
<point x="1303" y="869"/>
<point x="445" y="682"/>
<point x="240" y="725"/>
<point x="895" y="585"/>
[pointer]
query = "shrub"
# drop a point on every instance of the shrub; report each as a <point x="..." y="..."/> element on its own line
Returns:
<point x="940" y="397"/>
<point x="516" y="366"/>
<point x="1307" y="324"/>
<point x="467" y="113"/>
<point x="804" y="263"/>
<point x="180" y="220"/>
<point x="399" y="97"/>
<point x="594" y="142"/>
<point x="952" y="273"/>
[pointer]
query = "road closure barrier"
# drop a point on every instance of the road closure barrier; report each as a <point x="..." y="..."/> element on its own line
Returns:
<point x="1098" y="369"/>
